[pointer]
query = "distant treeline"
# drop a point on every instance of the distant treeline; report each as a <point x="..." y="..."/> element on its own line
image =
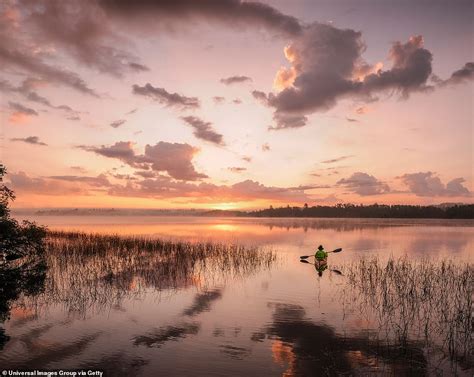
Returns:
<point x="462" y="211"/>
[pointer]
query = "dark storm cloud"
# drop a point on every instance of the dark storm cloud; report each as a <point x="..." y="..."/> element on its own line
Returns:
<point x="30" y="140"/>
<point x="364" y="184"/>
<point x="19" y="108"/>
<point x="326" y="66"/>
<point x="235" y="80"/>
<point x="172" y="158"/>
<point x="227" y="12"/>
<point x="117" y="123"/>
<point x="428" y="184"/>
<point x="163" y="97"/>
<point x="336" y="159"/>
<point x="203" y="130"/>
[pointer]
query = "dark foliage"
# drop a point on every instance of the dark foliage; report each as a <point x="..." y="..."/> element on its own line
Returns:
<point x="22" y="266"/>
<point x="462" y="211"/>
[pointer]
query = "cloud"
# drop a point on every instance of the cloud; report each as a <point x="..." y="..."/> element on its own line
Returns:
<point x="28" y="54"/>
<point x="235" y="80"/>
<point x="21" y="182"/>
<point x="163" y="97"/>
<point x="203" y="130"/>
<point x="284" y="120"/>
<point x="218" y="99"/>
<point x="237" y="169"/>
<point x="351" y="120"/>
<point x="138" y="67"/>
<point x="92" y="32"/>
<point x="82" y="30"/>
<point x="172" y="158"/>
<point x="234" y="13"/>
<point x="99" y="181"/>
<point x="265" y="147"/>
<point x="80" y="169"/>
<point x="20" y="113"/>
<point x="260" y="96"/>
<point x="428" y="184"/>
<point x="162" y="187"/>
<point x="247" y="158"/>
<point x="326" y="66"/>
<point x="336" y="159"/>
<point x="122" y="150"/>
<point x="30" y="140"/>
<point x="117" y="123"/>
<point x="362" y="110"/>
<point x="364" y="184"/>
<point x="175" y="159"/>
<point x="464" y="74"/>
<point x="19" y="108"/>
<point x="237" y="101"/>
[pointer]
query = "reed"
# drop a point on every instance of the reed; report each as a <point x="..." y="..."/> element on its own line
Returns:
<point x="92" y="272"/>
<point x="423" y="300"/>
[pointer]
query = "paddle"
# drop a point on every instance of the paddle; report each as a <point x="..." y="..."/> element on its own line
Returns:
<point x="336" y="271"/>
<point x="334" y="251"/>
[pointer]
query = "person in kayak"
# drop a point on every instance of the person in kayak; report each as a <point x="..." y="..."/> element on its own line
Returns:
<point x="321" y="262"/>
<point x="321" y="254"/>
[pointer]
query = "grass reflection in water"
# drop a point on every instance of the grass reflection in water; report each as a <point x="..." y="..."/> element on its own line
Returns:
<point x="426" y="301"/>
<point x="90" y="272"/>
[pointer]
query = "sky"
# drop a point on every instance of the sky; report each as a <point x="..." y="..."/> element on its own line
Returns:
<point x="232" y="104"/>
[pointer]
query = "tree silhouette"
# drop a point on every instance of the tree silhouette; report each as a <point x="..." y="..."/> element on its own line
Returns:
<point x="22" y="266"/>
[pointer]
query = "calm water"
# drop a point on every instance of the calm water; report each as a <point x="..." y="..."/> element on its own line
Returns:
<point x="278" y="320"/>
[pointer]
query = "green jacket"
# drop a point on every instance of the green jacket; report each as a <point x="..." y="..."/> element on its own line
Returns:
<point x="320" y="255"/>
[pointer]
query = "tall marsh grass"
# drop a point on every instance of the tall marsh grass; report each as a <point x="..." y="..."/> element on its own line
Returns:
<point x="425" y="300"/>
<point x="92" y="272"/>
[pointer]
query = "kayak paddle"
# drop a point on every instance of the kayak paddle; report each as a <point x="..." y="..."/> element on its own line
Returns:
<point x="336" y="271"/>
<point x="334" y="251"/>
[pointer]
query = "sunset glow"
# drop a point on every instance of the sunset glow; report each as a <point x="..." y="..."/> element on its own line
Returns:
<point x="238" y="106"/>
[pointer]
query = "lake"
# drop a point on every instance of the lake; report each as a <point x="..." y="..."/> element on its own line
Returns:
<point x="282" y="318"/>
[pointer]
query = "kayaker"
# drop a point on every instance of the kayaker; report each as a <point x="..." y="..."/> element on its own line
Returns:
<point x="320" y="266"/>
<point x="320" y="254"/>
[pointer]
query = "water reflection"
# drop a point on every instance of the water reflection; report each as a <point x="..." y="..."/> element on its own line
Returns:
<point x="202" y="302"/>
<point x="368" y="236"/>
<point x="89" y="274"/>
<point x="160" y="336"/>
<point x="21" y="277"/>
<point x="308" y="348"/>
<point x="166" y="308"/>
